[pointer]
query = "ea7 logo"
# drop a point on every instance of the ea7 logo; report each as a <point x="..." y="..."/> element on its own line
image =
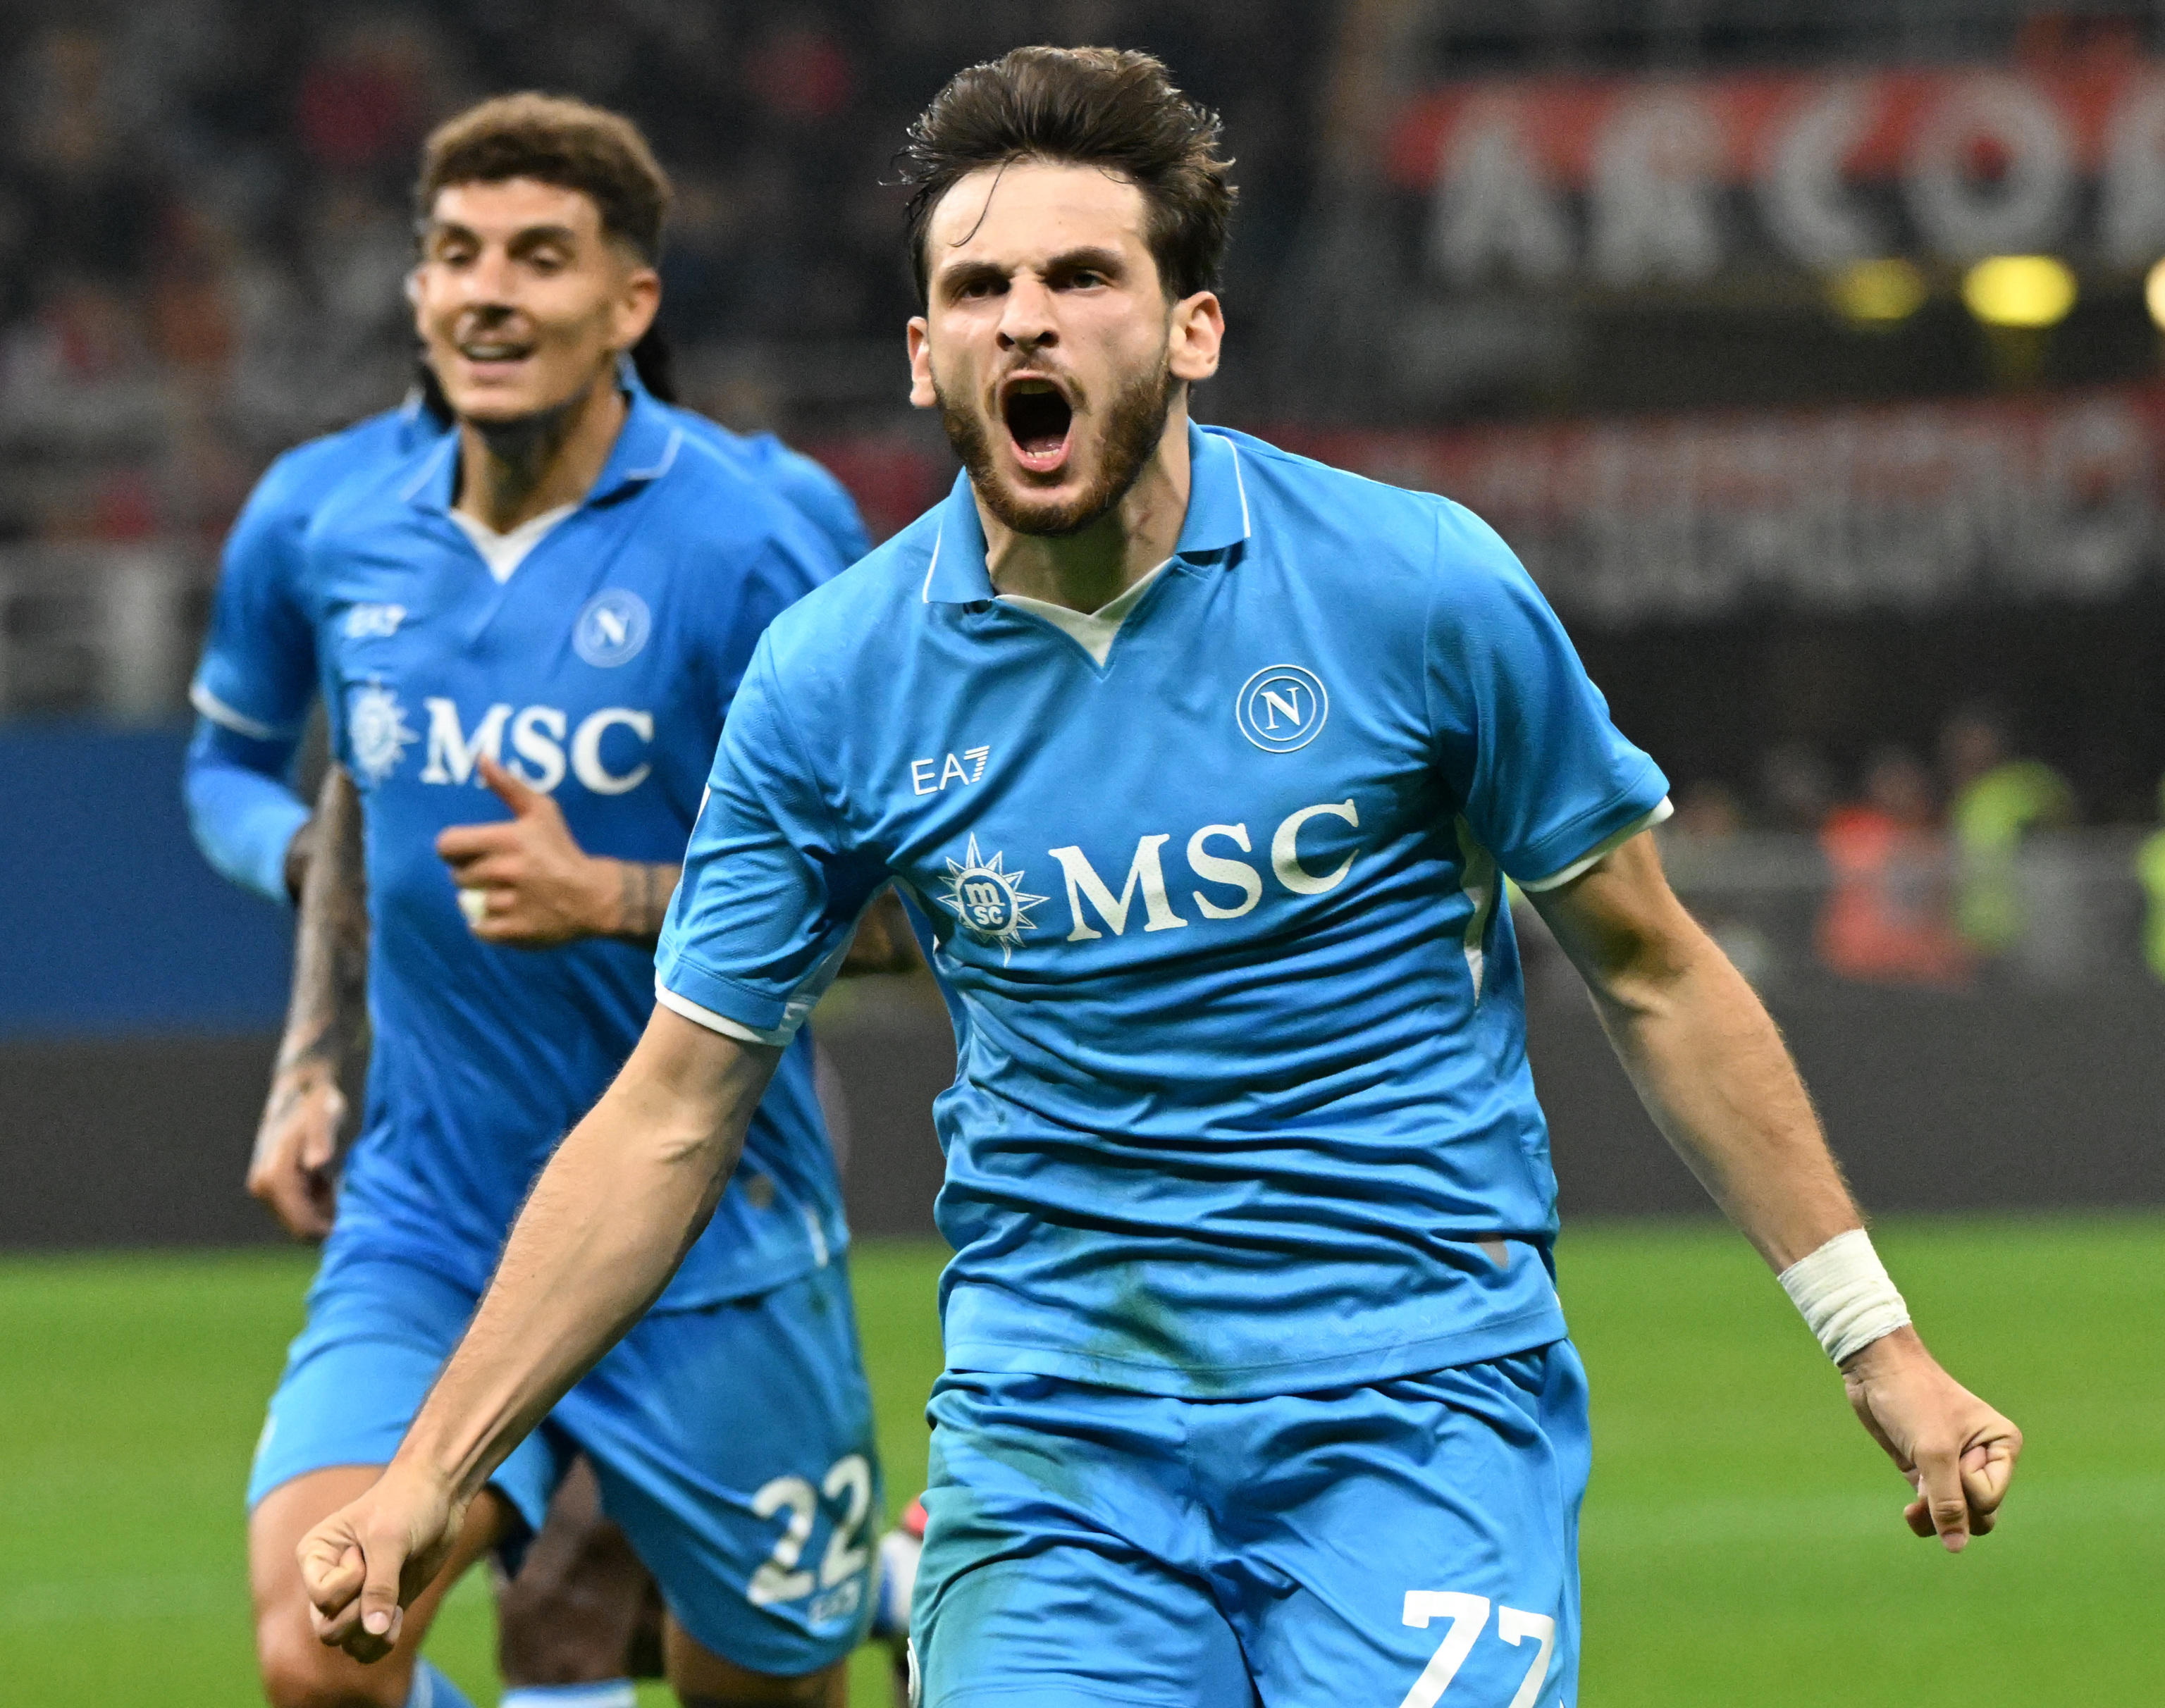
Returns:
<point x="968" y="769"/>
<point x="373" y="622"/>
<point x="1214" y="867"/>
<point x="537" y="738"/>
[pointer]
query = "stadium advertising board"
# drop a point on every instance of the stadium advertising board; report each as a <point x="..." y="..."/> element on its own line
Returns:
<point x="1912" y="506"/>
<point x="1624" y="183"/>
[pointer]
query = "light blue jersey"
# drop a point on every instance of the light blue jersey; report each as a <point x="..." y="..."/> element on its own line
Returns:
<point x="600" y="670"/>
<point x="257" y="679"/>
<point x="1241" y="1078"/>
<point x="258" y="676"/>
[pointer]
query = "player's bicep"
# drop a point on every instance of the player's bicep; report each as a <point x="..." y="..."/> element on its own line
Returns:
<point x="1523" y="740"/>
<point x="258" y="670"/>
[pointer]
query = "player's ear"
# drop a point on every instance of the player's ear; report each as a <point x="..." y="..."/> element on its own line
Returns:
<point x="412" y="289"/>
<point x="922" y="394"/>
<point x="1196" y="336"/>
<point x="637" y="304"/>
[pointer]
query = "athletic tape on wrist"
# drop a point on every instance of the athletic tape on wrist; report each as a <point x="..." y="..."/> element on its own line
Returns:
<point x="1845" y="1295"/>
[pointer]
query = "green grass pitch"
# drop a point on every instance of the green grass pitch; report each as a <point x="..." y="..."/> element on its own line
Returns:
<point x="1742" y="1542"/>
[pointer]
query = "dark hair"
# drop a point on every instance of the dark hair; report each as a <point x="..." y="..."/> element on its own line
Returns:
<point x="1087" y="106"/>
<point x="559" y="141"/>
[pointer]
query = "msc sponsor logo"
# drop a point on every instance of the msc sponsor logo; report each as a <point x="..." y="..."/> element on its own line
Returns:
<point x="613" y="629"/>
<point x="1228" y="863"/>
<point x="1281" y="707"/>
<point x="541" y="755"/>
<point x="989" y="900"/>
<point x="376" y="730"/>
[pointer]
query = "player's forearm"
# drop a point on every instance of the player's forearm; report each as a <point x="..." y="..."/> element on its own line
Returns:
<point x="608" y="1221"/>
<point x="642" y="892"/>
<point x="327" y="1015"/>
<point x="241" y="812"/>
<point x="1703" y="1054"/>
<point x="1714" y="1074"/>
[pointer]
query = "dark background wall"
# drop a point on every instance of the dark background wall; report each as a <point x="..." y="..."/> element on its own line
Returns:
<point x="1935" y="1102"/>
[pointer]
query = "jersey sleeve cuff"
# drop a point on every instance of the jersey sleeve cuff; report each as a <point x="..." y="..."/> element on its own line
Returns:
<point x="776" y="1038"/>
<point x="230" y="718"/>
<point x="1616" y="839"/>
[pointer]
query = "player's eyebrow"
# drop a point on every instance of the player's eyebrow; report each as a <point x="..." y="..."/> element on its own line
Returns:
<point x="532" y="237"/>
<point x="525" y="239"/>
<point x="1084" y="258"/>
<point x="1088" y="258"/>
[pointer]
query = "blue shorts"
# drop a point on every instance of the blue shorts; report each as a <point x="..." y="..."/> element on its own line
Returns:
<point x="1379" y="1546"/>
<point x="733" y="1444"/>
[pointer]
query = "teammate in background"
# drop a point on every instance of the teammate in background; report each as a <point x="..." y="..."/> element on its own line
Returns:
<point x="1257" y="1385"/>
<point x="561" y="1620"/>
<point x="562" y="593"/>
<point x="580" y="1592"/>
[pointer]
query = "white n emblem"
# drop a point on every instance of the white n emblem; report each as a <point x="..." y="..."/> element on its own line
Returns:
<point x="1281" y="707"/>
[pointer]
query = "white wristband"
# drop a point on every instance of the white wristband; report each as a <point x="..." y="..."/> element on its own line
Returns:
<point x="1846" y="1296"/>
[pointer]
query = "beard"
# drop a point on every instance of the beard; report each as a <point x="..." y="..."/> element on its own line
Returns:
<point x="1133" y="427"/>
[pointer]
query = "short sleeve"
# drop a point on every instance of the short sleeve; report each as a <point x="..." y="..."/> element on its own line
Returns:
<point x="788" y="560"/>
<point x="258" y="672"/>
<point x="1523" y="737"/>
<point x="771" y="889"/>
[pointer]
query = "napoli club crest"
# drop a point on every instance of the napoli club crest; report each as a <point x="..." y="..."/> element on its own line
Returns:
<point x="613" y="629"/>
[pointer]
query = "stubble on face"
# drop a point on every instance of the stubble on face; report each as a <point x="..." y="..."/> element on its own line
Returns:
<point x="1133" y="425"/>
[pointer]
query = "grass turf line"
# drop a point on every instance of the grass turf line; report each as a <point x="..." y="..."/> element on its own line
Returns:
<point x="1742" y="1542"/>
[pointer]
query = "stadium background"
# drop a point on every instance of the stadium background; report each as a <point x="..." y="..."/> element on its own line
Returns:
<point x="1810" y="351"/>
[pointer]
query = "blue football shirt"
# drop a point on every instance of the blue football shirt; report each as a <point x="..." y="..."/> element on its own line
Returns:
<point x="257" y="676"/>
<point x="600" y="670"/>
<point x="1241" y="1079"/>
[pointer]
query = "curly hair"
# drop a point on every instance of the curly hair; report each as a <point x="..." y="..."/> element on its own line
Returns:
<point x="1092" y="105"/>
<point x="556" y="140"/>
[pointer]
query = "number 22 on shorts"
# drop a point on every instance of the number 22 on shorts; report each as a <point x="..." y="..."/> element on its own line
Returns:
<point x="1469" y="1616"/>
<point x="779" y="1579"/>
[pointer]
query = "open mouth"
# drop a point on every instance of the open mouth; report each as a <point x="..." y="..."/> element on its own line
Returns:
<point x="1039" y="418"/>
<point x="494" y="353"/>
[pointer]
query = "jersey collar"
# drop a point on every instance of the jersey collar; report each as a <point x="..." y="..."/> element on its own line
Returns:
<point x="646" y="448"/>
<point x="1218" y="517"/>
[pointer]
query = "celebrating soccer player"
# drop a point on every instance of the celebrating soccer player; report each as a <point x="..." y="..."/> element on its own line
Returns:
<point x="1207" y="762"/>
<point x="561" y="595"/>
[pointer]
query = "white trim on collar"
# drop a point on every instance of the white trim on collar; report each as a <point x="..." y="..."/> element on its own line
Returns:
<point x="428" y="471"/>
<point x="668" y="459"/>
<point x="1240" y="484"/>
<point x="925" y="594"/>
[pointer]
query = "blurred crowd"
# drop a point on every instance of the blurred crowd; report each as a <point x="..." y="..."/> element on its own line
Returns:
<point x="1970" y="867"/>
<point x="204" y="218"/>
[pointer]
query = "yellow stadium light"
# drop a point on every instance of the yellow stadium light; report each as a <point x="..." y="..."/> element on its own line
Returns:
<point x="2153" y="295"/>
<point x="2020" y="290"/>
<point x="1878" y="293"/>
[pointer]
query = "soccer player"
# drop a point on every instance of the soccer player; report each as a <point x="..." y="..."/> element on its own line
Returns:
<point x="1207" y="761"/>
<point x="561" y="595"/>
<point x="563" y="1620"/>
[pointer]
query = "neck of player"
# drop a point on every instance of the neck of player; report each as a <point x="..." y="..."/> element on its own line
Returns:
<point x="1088" y="570"/>
<point x="512" y="471"/>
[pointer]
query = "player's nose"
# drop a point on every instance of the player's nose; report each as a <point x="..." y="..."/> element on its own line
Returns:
<point x="1026" y="319"/>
